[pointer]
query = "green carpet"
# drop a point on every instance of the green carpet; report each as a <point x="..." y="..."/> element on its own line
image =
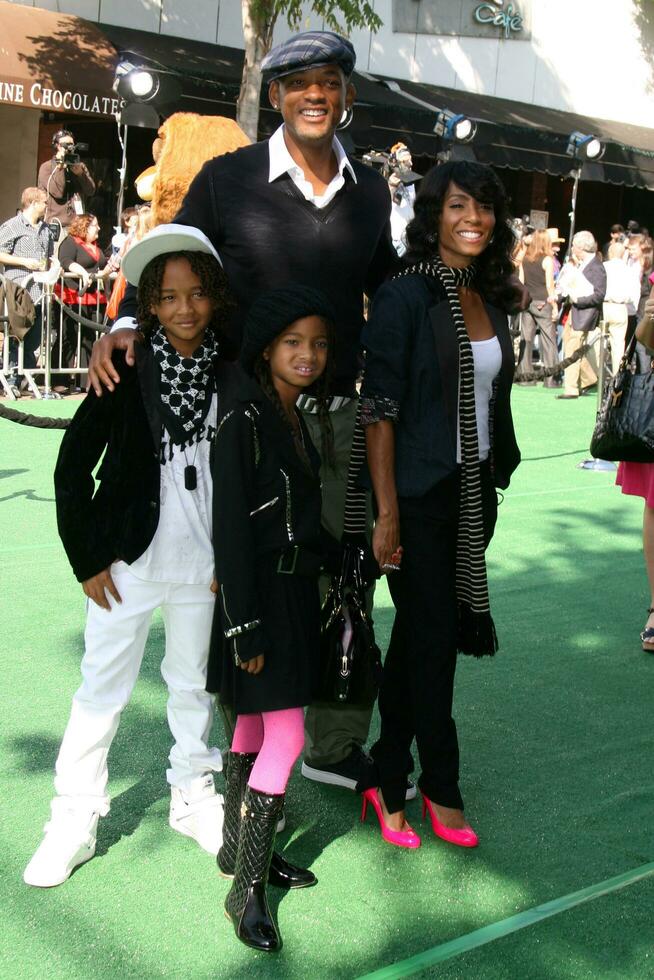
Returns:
<point x="555" y="746"/>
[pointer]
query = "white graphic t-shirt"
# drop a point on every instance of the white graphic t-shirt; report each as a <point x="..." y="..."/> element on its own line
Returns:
<point x="181" y="550"/>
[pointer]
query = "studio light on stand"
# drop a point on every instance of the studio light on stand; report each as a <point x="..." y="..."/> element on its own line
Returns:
<point x="454" y="128"/>
<point x="146" y="96"/>
<point x="581" y="148"/>
<point x="584" y="148"/>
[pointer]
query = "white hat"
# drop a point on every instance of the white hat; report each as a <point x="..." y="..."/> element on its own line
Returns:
<point x="159" y="241"/>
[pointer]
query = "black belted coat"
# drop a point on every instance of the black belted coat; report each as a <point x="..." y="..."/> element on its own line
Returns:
<point x="266" y="529"/>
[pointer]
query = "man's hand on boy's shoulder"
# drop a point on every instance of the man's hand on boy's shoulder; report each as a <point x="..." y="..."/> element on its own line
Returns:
<point x="96" y="588"/>
<point x="102" y="369"/>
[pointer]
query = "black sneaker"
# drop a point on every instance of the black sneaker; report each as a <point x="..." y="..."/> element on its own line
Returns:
<point x="354" y="770"/>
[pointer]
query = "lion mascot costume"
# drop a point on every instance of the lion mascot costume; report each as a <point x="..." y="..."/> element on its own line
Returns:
<point x="184" y="143"/>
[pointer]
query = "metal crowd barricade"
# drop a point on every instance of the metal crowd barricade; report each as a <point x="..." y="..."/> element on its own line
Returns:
<point x="55" y="322"/>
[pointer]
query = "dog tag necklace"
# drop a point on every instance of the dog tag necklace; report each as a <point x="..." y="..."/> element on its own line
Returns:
<point x="190" y="472"/>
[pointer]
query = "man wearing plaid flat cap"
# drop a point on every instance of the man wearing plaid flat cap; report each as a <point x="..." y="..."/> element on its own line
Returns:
<point x="296" y="209"/>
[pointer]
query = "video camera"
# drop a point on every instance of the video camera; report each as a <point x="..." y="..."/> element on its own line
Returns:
<point x="72" y="153"/>
<point x="397" y="162"/>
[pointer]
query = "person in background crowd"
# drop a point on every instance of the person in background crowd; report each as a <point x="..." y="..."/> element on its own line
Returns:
<point x="25" y="247"/>
<point x="633" y="228"/>
<point x="296" y="209"/>
<point x="582" y="283"/>
<point x="637" y="479"/>
<point x="619" y="288"/>
<point x="127" y="227"/>
<point x="139" y="225"/>
<point x="80" y="256"/>
<point x="143" y="542"/>
<point x="403" y="194"/>
<point x="538" y="272"/>
<point x="556" y="242"/>
<point x="266" y="636"/>
<point x="64" y="182"/>
<point x="617" y="234"/>
<point x="436" y="407"/>
<point x="517" y="255"/>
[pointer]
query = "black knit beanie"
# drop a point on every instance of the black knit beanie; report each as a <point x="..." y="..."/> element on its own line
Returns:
<point x="273" y="312"/>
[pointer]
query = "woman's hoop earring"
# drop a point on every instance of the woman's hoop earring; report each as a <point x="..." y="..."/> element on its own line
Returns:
<point x="346" y="119"/>
<point x="432" y="238"/>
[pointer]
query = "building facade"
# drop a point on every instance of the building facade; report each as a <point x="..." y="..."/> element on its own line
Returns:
<point x="590" y="59"/>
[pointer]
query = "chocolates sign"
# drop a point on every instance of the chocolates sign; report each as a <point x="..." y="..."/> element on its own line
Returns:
<point x="37" y="95"/>
<point x="508" y="18"/>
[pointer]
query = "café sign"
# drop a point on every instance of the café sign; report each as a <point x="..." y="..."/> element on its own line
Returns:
<point x="37" y="95"/>
<point x="496" y="14"/>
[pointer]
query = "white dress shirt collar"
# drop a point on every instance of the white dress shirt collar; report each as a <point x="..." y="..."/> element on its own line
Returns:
<point x="281" y="162"/>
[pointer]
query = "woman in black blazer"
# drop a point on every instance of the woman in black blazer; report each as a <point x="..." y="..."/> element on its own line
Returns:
<point x="439" y="432"/>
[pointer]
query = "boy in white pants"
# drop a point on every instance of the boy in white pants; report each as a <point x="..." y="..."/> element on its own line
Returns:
<point x="142" y="541"/>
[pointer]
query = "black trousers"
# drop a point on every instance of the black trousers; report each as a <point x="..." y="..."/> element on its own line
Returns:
<point x="537" y="317"/>
<point x="415" y="699"/>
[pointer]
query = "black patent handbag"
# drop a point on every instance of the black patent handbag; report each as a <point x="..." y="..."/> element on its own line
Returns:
<point x="350" y="660"/>
<point x="624" y="430"/>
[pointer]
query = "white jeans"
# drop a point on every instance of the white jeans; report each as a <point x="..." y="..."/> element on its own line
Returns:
<point x="114" y="645"/>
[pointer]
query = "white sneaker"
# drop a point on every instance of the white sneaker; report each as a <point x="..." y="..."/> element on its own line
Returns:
<point x="198" y="813"/>
<point x="68" y="842"/>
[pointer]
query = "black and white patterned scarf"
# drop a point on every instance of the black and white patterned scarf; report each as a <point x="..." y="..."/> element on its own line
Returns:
<point x="186" y="384"/>
<point x="476" y="628"/>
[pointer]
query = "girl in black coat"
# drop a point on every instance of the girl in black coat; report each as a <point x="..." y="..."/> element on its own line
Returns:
<point x="266" y="633"/>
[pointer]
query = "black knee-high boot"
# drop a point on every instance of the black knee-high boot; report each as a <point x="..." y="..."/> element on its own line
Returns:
<point x="239" y="767"/>
<point x="246" y="905"/>
<point x="282" y="874"/>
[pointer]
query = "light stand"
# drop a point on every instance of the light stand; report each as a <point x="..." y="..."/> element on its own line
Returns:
<point x="122" y="170"/>
<point x="599" y="465"/>
<point x="582" y="147"/>
<point x="576" y="174"/>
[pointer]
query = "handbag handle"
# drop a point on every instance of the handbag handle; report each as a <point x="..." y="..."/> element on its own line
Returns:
<point x="629" y="352"/>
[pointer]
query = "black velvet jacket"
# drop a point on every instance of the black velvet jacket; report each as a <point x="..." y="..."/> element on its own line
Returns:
<point x="119" y="519"/>
<point x="412" y="364"/>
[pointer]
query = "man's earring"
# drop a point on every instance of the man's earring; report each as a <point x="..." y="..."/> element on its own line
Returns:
<point x="346" y="119"/>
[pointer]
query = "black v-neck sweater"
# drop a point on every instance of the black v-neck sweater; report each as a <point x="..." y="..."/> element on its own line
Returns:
<point x="268" y="236"/>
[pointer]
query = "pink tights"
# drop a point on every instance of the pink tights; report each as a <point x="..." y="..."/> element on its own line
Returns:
<point x="278" y="737"/>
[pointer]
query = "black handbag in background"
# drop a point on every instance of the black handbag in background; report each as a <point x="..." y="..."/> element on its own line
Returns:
<point x="350" y="660"/>
<point x="624" y="430"/>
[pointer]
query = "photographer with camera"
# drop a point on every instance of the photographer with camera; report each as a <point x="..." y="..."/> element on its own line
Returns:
<point x="65" y="179"/>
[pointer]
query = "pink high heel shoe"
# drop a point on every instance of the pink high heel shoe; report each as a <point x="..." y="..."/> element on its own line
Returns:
<point x="464" y="837"/>
<point x="401" y="838"/>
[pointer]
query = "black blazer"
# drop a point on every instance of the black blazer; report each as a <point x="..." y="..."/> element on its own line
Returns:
<point x="412" y="359"/>
<point x="119" y="519"/>
<point x="266" y="500"/>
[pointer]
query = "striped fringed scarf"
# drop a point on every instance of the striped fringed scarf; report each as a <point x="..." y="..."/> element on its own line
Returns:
<point x="476" y="628"/>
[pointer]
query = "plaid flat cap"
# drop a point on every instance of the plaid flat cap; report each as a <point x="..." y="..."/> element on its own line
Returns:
<point x="311" y="49"/>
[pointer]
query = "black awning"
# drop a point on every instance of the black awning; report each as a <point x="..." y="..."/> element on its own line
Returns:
<point x="509" y="134"/>
<point x="530" y="137"/>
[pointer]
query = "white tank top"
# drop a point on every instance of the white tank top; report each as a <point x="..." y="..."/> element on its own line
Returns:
<point x="487" y="355"/>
